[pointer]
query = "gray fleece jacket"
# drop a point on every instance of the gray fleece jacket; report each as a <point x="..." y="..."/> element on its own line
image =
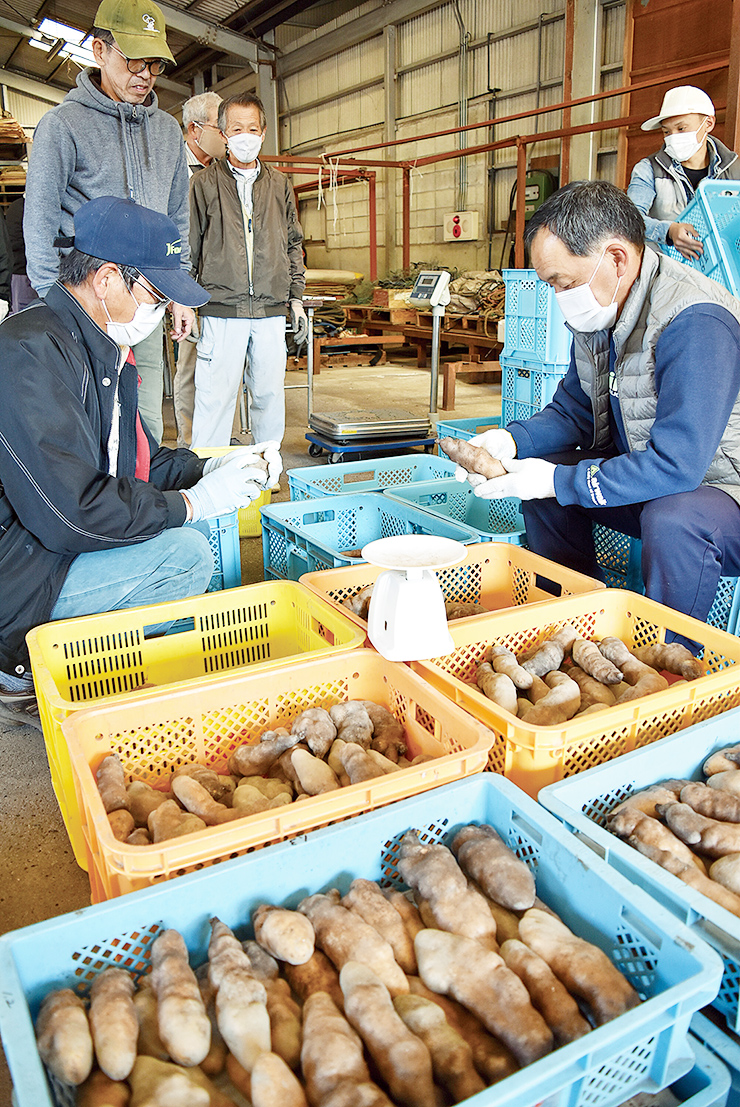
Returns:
<point x="92" y="146"/>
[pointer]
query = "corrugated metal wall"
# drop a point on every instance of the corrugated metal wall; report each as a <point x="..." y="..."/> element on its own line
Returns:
<point x="515" y="46"/>
<point x="26" y="109"/>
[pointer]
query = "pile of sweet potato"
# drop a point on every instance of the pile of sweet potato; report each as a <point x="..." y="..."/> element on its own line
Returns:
<point x="568" y="676"/>
<point x="370" y="999"/>
<point x="324" y="750"/>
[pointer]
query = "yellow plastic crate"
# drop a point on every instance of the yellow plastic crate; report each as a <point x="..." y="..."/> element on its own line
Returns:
<point x="494" y="574"/>
<point x="533" y="756"/>
<point x="250" y="521"/>
<point x="161" y="730"/>
<point x="77" y="662"/>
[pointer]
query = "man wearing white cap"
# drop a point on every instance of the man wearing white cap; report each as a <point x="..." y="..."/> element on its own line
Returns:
<point x="663" y="184"/>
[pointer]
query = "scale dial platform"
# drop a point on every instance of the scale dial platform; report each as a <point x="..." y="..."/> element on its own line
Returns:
<point x="414" y="551"/>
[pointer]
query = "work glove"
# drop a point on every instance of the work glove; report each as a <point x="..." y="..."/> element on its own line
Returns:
<point x="270" y="451"/>
<point x="222" y="491"/>
<point x="4" y="309"/>
<point x="245" y="457"/>
<point x="299" y="321"/>
<point x="530" y="479"/>
<point x="498" y="443"/>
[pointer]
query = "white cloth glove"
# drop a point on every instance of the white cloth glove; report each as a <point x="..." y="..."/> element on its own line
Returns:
<point x="498" y="443"/>
<point x="270" y="451"/>
<point x="243" y="457"/>
<point x="528" y="479"/>
<point x="221" y="492"/>
<point x="4" y="309"/>
<point x="299" y="321"/>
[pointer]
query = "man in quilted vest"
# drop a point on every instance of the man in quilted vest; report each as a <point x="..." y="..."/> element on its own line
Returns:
<point x="643" y="432"/>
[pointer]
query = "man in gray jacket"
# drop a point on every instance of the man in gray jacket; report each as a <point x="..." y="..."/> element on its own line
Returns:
<point x="246" y="247"/>
<point x="109" y="138"/>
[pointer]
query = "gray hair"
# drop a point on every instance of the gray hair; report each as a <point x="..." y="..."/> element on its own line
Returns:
<point x="241" y="100"/>
<point x="75" y="267"/>
<point x="103" y="35"/>
<point x="585" y="214"/>
<point x="198" y="108"/>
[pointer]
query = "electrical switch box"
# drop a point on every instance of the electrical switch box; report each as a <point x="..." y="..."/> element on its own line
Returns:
<point x="461" y="226"/>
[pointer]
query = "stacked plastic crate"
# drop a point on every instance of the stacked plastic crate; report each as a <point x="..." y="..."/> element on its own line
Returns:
<point x="714" y="213"/>
<point x="536" y="350"/>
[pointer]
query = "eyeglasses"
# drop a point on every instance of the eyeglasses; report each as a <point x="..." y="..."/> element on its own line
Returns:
<point x="159" y="299"/>
<point x="156" y="66"/>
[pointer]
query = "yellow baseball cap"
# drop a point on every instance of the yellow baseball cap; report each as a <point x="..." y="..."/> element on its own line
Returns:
<point x="137" y="26"/>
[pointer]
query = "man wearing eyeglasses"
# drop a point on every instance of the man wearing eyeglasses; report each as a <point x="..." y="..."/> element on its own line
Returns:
<point x="109" y="138"/>
<point x="92" y="511"/>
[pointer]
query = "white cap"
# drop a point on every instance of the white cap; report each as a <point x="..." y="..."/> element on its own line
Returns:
<point x="683" y="100"/>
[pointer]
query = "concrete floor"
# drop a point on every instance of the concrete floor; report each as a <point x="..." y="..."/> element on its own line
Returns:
<point x="41" y="878"/>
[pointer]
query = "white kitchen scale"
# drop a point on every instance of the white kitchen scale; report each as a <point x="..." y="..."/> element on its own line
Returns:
<point x="406" y="619"/>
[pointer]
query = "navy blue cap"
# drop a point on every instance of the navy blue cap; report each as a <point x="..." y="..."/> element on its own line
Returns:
<point x="126" y="233"/>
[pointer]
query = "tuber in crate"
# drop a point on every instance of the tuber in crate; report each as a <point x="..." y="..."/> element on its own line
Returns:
<point x="493" y="520"/>
<point x="584" y="801"/>
<point x="331" y="531"/>
<point x="313" y="481"/>
<point x="76" y="662"/>
<point x="493" y="574"/>
<point x="534" y="756"/>
<point x="723" y="1047"/>
<point x="160" y="731"/>
<point x="644" y="1050"/>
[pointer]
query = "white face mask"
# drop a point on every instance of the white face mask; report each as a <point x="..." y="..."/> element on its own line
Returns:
<point x="146" y="318"/>
<point x="245" y="147"/>
<point x="684" y="145"/>
<point x="583" y="311"/>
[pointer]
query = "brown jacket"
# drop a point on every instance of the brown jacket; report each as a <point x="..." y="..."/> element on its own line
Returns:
<point x="218" y="249"/>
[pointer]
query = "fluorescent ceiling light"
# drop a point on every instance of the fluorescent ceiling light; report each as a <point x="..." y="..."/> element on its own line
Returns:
<point x="49" y="31"/>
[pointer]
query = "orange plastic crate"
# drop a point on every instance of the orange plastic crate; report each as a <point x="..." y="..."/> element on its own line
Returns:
<point x="533" y="756"/>
<point x="494" y="574"/>
<point x="161" y="730"/>
<point x="77" y="662"/>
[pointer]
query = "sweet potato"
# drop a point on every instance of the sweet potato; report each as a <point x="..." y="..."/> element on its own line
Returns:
<point x="286" y="935"/>
<point x="64" y="1040"/>
<point x="473" y="458"/>
<point x="671" y="658"/>
<point x="550" y="653"/>
<point x="504" y="661"/>
<point x="590" y="658"/>
<point x="559" y="705"/>
<point x="484" y="857"/>
<point x="497" y="687"/>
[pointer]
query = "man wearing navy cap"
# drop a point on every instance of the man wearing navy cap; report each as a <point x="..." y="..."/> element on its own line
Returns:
<point x="91" y="508"/>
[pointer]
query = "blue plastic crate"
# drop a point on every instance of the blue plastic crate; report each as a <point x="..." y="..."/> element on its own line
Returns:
<point x="715" y="213"/>
<point x="466" y="428"/>
<point x="329" y="532"/>
<point x="493" y="520"/>
<point x="351" y="477"/>
<point x="620" y="556"/>
<point x="721" y="1045"/>
<point x="583" y="801"/>
<point x="534" y="328"/>
<point x="527" y="386"/>
<point x="224" y="541"/>
<point x="709" y="1082"/>
<point x="645" y="1049"/>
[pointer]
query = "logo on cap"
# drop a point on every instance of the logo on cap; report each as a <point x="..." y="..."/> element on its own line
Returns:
<point x="149" y="22"/>
<point x="174" y="248"/>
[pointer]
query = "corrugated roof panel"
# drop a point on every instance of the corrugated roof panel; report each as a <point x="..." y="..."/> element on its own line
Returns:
<point x="613" y="34"/>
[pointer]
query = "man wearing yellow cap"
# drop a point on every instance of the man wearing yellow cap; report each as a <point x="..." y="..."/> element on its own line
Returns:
<point x="664" y="183"/>
<point x="109" y="138"/>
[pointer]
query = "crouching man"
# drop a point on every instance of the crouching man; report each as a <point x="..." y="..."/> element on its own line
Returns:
<point x="643" y="432"/>
<point x="92" y="511"/>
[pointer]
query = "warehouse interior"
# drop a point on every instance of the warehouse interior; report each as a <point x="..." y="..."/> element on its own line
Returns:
<point x="418" y="136"/>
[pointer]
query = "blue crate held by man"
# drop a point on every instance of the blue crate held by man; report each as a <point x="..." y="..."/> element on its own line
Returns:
<point x="714" y="212"/>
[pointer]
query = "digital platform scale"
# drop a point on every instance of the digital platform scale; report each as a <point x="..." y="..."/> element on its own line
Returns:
<point x="341" y="432"/>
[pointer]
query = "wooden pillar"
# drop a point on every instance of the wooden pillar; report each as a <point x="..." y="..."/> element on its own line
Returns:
<point x="732" y="116"/>
<point x="570" y="10"/>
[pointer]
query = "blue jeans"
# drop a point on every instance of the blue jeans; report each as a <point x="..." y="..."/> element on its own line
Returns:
<point x="175" y="565"/>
